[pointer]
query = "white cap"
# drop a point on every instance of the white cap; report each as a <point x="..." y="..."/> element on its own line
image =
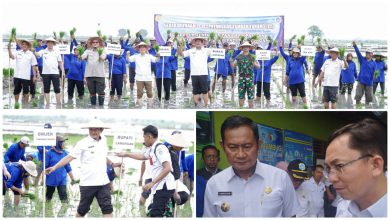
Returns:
<point x="178" y="140"/>
<point x="334" y="49"/>
<point x="25" y="140"/>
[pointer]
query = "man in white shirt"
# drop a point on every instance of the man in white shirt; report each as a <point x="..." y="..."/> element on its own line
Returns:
<point x="330" y="75"/>
<point x="94" y="182"/>
<point x="297" y="170"/>
<point x="163" y="182"/>
<point x="316" y="188"/>
<point x="24" y="61"/>
<point x="355" y="160"/>
<point x="145" y="178"/>
<point x="50" y="74"/>
<point x="248" y="188"/>
<point x="199" y="69"/>
<point x="143" y="62"/>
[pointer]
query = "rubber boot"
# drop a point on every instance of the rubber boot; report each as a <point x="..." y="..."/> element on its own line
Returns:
<point x="101" y="100"/>
<point x="93" y="100"/>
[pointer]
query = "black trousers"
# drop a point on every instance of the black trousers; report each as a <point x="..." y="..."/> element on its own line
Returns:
<point x="382" y="85"/>
<point x="187" y="74"/>
<point x="173" y="80"/>
<point x="167" y="88"/>
<point x="75" y="83"/>
<point x="160" y="201"/>
<point x="32" y="85"/>
<point x="266" y="88"/>
<point x="61" y="192"/>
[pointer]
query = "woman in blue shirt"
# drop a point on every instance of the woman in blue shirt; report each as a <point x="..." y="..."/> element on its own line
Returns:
<point x="166" y="76"/>
<point x="267" y="78"/>
<point x="348" y="76"/>
<point x="75" y="73"/>
<point x="295" y="75"/>
<point x="58" y="177"/>
<point x="118" y="65"/>
<point x="381" y="67"/>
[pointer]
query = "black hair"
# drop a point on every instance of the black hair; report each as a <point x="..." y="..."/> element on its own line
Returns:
<point x="209" y="147"/>
<point x="367" y="136"/>
<point x="150" y="129"/>
<point x="317" y="166"/>
<point x="236" y="121"/>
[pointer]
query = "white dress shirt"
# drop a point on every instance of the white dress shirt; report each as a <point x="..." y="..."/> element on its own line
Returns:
<point x="23" y="63"/>
<point x="267" y="193"/>
<point x="198" y="60"/>
<point x="93" y="158"/>
<point x="347" y="208"/>
<point x="50" y="59"/>
<point x="143" y="65"/>
<point x="316" y="192"/>
<point x="332" y="71"/>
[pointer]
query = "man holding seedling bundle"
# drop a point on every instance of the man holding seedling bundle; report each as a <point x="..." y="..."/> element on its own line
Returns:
<point x="163" y="181"/>
<point x="143" y="68"/>
<point x="366" y="75"/>
<point x="50" y="73"/>
<point x="24" y="61"/>
<point x="330" y="75"/>
<point x="94" y="71"/>
<point x="18" y="171"/>
<point x="94" y="182"/>
<point x="246" y="63"/>
<point x="199" y="69"/>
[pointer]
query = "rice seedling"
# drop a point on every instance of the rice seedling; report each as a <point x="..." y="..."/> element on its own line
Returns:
<point x="72" y="31"/>
<point x="54" y="35"/>
<point x="269" y="38"/>
<point x="156" y="47"/>
<point x="176" y="34"/>
<point x="100" y="51"/>
<point x="31" y="196"/>
<point x="212" y="36"/>
<point x="104" y="38"/>
<point x="99" y="33"/>
<point x="242" y="38"/>
<point x="128" y="33"/>
<point x="293" y="37"/>
<point x="17" y="105"/>
<point x="342" y="52"/>
<point x="376" y="74"/>
<point x="255" y="37"/>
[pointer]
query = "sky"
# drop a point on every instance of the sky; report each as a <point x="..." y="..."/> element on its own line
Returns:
<point x="341" y="19"/>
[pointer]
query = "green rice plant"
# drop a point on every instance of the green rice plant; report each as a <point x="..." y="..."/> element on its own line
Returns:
<point x="169" y="33"/>
<point x="17" y="105"/>
<point x="72" y="31"/>
<point x="104" y="38"/>
<point x="242" y="38"/>
<point x="8" y="71"/>
<point x="342" y="52"/>
<point x="81" y="50"/>
<point x="275" y="43"/>
<point x="34" y="103"/>
<point x="269" y="38"/>
<point x="128" y="33"/>
<point x="156" y="47"/>
<point x="5" y="146"/>
<point x="99" y="33"/>
<point x="54" y="35"/>
<point x="175" y="36"/>
<point x="212" y="36"/>
<point x="255" y="37"/>
<point x="100" y="51"/>
<point x="293" y="37"/>
<point x="376" y="74"/>
<point x="31" y="196"/>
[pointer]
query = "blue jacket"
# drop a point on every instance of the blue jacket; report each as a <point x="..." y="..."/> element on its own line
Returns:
<point x="349" y="75"/>
<point x="381" y="67"/>
<point x="152" y="51"/>
<point x="40" y="151"/>
<point x="173" y="60"/>
<point x="58" y="177"/>
<point x="190" y="166"/>
<point x="187" y="64"/>
<point x="200" y="191"/>
<point x="319" y="60"/>
<point x="76" y="68"/>
<point x="119" y="66"/>
<point x="287" y="58"/>
<point x="16" y="180"/>
<point x="295" y="70"/>
<point x="167" y="69"/>
<point x="267" y="70"/>
<point x="223" y="65"/>
<point x="14" y="153"/>
<point x="367" y="69"/>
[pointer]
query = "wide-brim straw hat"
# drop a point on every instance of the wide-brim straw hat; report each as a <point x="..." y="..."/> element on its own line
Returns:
<point x="199" y="38"/>
<point x="30" y="167"/>
<point x="296" y="50"/>
<point x="96" y="123"/>
<point x="24" y="40"/>
<point x="334" y="49"/>
<point x="178" y="140"/>
<point x="89" y="41"/>
<point x="245" y="44"/>
<point x="51" y="39"/>
<point x="142" y="44"/>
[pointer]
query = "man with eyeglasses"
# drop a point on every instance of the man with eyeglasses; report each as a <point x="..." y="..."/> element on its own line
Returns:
<point x="355" y="161"/>
<point x="316" y="188"/>
<point x="248" y="188"/>
<point x="210" y="157"/>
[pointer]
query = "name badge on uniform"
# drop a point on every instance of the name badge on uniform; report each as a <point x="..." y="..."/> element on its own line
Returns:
<point x="225" y="207"/>
<point x="225" y="193"/>
<point x="268" y="190"/>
